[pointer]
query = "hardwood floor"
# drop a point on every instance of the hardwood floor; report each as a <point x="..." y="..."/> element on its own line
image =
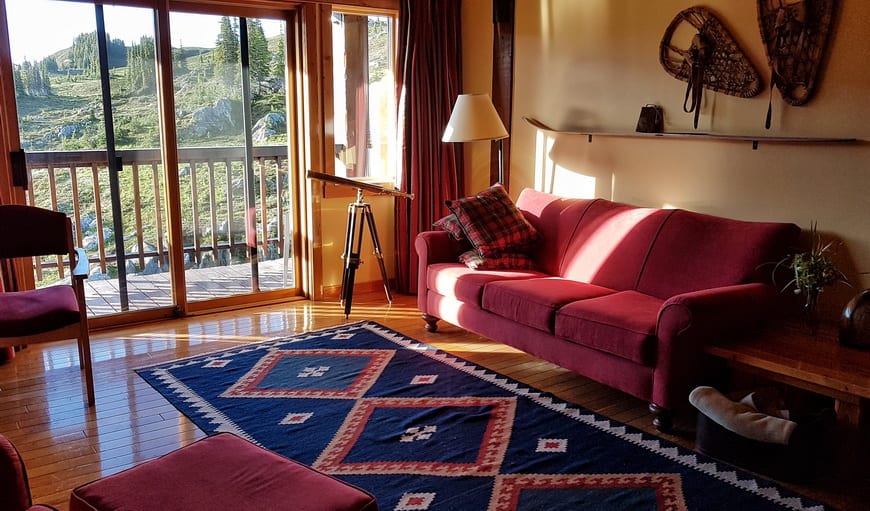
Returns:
<point x="65" y="444"/>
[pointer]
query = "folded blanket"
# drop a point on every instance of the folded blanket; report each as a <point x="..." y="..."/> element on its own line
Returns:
<point x="742" y="417"/>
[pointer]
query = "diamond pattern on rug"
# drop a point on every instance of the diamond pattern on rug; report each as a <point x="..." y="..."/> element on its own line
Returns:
<point x="427" y="431"/>
<point x="552" y="445"/>
<point x="322" y="374"/>
<point x="602" y="492"/>
<point x="424" y="379"/>
<point x="296" y="418"/>
<point x="415" y="502"/>
<point x="361" y="447"/>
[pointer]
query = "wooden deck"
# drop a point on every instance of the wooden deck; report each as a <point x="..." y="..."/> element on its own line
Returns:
<point x="150" y="291"/>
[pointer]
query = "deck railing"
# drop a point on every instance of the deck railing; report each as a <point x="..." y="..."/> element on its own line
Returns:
<point x="214" y="187"/>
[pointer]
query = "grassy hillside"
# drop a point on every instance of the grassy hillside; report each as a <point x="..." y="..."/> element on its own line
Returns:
<point x="71" y="119"/>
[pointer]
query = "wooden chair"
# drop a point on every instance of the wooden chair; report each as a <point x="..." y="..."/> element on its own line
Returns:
<point x="51" y="313"/>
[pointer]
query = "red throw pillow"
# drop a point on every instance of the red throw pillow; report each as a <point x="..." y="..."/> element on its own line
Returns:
<point x="493" y="223"/>
<point x="450" y="224"/>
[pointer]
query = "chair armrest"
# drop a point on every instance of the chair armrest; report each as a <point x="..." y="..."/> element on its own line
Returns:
<point x="82" y="266"/>
<point x="689" y="321"/>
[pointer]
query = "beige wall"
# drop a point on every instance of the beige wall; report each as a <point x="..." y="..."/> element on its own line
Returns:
<point x="477" y="77"/>
<point x="594" y="63"/>
<point x="334" y="225"/>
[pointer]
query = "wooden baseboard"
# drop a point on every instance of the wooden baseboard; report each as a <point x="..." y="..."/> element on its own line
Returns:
<point x="372" y="286"/>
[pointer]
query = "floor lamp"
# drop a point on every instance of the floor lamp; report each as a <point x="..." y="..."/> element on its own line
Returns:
<point x="474" y="118"/>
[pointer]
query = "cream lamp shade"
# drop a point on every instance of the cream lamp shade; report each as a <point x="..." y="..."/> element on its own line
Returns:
<point x="474" y="118"/>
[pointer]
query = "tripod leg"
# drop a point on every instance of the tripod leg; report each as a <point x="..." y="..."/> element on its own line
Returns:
<point x="370" y="218"/>
<point x="348" y="248"/>
<point x="353" y="260"/>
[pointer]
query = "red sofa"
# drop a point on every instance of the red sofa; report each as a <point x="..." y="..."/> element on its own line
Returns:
<point x="624" y="295"/>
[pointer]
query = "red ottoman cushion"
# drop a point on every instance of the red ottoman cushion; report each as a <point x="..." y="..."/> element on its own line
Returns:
<point x="220" y="472"/>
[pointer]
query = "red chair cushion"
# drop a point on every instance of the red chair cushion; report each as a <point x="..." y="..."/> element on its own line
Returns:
<point x="37" y="311"/>
<point x="220" y="472"/>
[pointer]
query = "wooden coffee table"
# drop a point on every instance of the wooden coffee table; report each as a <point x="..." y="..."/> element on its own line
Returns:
<point x="791" y="354"/>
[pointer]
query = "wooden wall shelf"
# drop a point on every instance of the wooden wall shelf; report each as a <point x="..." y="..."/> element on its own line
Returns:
<point x="754" y="139"/>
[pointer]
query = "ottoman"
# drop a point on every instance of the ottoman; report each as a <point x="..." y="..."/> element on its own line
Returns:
<point x="223" y="472"/>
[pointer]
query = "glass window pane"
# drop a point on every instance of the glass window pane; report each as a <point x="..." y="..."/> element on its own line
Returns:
<point x="364" y="96"/>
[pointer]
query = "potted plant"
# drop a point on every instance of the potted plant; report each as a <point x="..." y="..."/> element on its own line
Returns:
<point x="812" y="272"/>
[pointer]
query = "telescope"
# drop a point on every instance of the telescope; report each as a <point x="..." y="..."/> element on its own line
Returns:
<point x="359" y="214"/>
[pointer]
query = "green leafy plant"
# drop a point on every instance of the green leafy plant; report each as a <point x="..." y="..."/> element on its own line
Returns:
<point x="812" y="271"/>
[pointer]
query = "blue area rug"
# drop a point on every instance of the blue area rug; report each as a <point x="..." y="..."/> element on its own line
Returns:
<point x="424" y="430"/>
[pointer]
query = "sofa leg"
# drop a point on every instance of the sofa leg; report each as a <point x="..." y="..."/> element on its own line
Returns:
<point x="431" y="323"/>
<point x="663" y="418"/>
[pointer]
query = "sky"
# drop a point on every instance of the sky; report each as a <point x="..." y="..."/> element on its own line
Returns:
<point x="38" y="28"/>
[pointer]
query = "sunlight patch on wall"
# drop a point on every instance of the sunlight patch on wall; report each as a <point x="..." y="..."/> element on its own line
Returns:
<point x="553" y="178"/>
<point x="543" y="145"/>
<point x="572" y="184"/>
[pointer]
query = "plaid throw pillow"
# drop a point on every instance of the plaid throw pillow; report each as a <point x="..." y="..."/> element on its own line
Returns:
<point x="450" y="224"/>
<point x="493" y="223"/>
<point x="506" y="261"/>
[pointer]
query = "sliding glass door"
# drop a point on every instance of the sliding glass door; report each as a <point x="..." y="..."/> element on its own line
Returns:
<point x="88" y="125"/>
<point x="231" y="97"/>
<point x="86" y="86"/>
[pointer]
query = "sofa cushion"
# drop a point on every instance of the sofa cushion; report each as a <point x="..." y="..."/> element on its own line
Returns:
<point x="695" y="251"/>
<point x="555" y="219"/>
<point x="461" y="282"/>
<point x="622" y="324"/>
<point x="611" y="244"/>
<point x="534" y="302"/>
<point x="493" y="223"/>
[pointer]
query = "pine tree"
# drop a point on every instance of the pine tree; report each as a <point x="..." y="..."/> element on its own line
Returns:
<point x="227" y="45"/>
<point x="85" y="53"/>
<point x="278" y="63"/>
<point x="258" y="51"/>
<point x="45" y="80"/>
<point x="226" y="52"/>
<point x="18" y="80"/>
<point x="141" y="75"/>
<point x="25" y="76"/>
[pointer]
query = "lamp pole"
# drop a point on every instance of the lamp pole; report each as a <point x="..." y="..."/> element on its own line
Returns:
<point x="474" y="118"/>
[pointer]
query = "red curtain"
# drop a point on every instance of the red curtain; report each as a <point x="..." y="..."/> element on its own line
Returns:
<point x="428" y="82"/>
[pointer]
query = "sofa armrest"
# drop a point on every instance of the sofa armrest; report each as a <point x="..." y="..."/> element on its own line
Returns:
<point x="689" y="321"/>
<point x="719" y="312"/>
<point x="437" y="247"/>
<point x="433" y="247"/>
